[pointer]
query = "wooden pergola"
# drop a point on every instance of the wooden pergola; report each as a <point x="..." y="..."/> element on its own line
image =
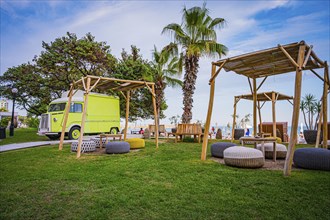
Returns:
<point x="89" y="83"/>
<point x="261" y="97"/>
<point x="294" y="57"/>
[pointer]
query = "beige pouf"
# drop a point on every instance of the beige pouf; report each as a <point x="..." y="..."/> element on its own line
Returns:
<point x="280" y="150"/>
<point x="86" y="146"/>
<point x="243" y="157"/>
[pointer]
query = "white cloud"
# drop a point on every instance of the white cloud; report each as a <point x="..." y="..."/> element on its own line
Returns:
<point x="123" y="23"/>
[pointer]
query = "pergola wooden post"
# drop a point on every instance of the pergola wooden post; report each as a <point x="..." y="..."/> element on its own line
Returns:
<point x="295" y="113"/>
<point x="234" y="118"/>
<point x="155" y="114"/>
<point x="128" y="96"/>
<point x="269" y="62"/>
<point x="273" y="114"/>
<point x="65" y="120"/>
<point x="325" y="104"/>
<point x="209" y="115"/>
<point x="260" y="121"/>
<point x="83" y="118"/>
<point x="254" y="107"/>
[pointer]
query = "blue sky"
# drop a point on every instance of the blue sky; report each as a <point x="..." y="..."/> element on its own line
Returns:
<point x="251" y="25"/>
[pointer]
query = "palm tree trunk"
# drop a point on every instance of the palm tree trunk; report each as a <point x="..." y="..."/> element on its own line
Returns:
<point x="159" y="90"/>
<point x="191" y="69"/>
<point x="305" y="119"/>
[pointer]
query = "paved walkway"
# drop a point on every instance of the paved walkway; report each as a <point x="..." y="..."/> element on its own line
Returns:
<point x="9" y="147"/>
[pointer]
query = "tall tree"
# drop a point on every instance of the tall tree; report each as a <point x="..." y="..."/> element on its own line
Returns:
<point x="68" y="59"/>
<point x="62" y="61"/>
<point x="165" y="70"/>
<point x="33" y="90"/>
<point x="197" y="37"/>
<point x="132" y="66"/>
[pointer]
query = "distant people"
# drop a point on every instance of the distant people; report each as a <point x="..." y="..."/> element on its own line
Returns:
<point x="141" y="131"/>
<point x="213" y="129"/>
<point x="247" y="132"/>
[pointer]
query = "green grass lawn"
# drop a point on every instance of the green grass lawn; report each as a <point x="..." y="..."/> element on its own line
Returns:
<point x="23" y="135"/>
<point x="169" y="183"/>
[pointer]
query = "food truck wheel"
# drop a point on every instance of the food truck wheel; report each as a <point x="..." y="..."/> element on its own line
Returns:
<point x="74" y="133"/>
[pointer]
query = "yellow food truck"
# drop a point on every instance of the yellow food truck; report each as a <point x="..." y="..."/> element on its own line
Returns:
<point x="102" y="116"/>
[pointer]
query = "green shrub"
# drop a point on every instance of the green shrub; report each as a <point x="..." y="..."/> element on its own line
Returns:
<point x="4" y="121"/>
<point x="32" y="122"/>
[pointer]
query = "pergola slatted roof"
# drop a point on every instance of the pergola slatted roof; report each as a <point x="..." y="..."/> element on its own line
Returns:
<point x="105" y="83"/>
<point x="271" y="61"/>
<point x="265" y="96"/>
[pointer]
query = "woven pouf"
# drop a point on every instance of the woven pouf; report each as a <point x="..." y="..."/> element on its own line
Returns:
<point x="243" y="157"/>
<point x="86" y="146"/>
<point x="136" y="143"/>
<point x="280" y="150"/>
<point x="97" y="141"/>
<point x="312" y="158"/>
<point x="117" y="147"/>
<point x="218" y="148"/>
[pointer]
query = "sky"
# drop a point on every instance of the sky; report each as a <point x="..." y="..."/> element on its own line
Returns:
<point x="250" y="26"/>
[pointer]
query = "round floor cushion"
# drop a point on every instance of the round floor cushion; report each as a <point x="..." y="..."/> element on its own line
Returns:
<point x="218" y="148"/>
<point x="243" y="157"/>
<point x="117" y="147"/>
<point x="136" y="143"/>
<point x="280" y="150"/>
<point x="312" y="158"/>
<point x="86" y="146"/>
<point x="97" y="141"/>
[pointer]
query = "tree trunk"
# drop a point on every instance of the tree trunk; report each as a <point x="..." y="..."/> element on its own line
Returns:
<point x="191" y="69"/>
<point x="159" y="90"/>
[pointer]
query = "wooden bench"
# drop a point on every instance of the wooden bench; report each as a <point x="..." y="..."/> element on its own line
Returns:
<point x="106" y="136"/>
<point x="188" y="129"/>
<point x="161" y="129"/>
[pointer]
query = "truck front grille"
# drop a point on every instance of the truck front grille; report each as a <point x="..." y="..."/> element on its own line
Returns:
<point x="44" y="122"/>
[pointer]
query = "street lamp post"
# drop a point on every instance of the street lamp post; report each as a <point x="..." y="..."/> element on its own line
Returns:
<point x="11" y="128"/>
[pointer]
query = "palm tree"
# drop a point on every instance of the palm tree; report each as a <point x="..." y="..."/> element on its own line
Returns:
<point x="310" y="102"/>
<point x="165" y="69"/>
<point x="197" y="37"/>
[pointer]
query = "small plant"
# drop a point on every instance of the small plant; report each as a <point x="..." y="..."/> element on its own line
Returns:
<point x="311" y="109"/>
<point x="242" y="122"/>
<point x="174" y="119"/>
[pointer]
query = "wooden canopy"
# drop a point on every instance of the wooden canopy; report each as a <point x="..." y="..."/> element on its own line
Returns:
<point x="89" y="83"/>
<point x="265" y="96"/>
<point x="272" y="61"/>
<point x="261" y="97"/>
<point x="261" y="64"/>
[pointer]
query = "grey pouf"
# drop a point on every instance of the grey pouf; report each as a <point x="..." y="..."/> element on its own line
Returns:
<point x="312" y="158"/>
<point x="97" y="141"/>
<point x="280" y="150"/>
<point x="86" y="146"/>
<point x="244" y="157"/>
<point x="218" y="148"/>
<point x="117" y="147"/>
